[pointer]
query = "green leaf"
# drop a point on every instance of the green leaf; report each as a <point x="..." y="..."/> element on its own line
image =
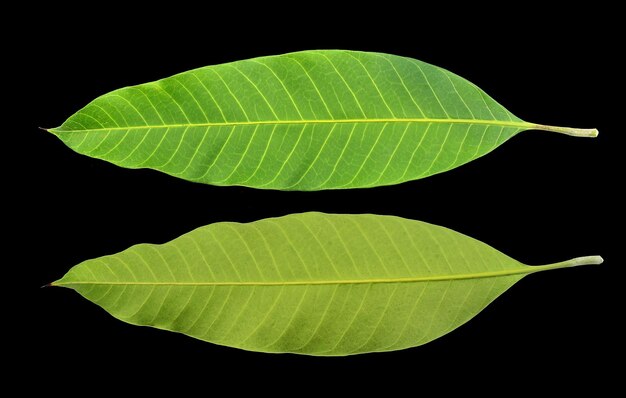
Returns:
<point x="309" y="283"/>
<point x="303" y="121"/>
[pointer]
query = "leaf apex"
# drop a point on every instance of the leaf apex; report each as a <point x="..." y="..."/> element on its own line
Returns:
<point x="57" y="283"/>
<point x="55" y="130"/>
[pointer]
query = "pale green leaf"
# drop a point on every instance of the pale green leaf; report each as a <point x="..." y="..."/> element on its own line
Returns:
<point x="302" y="121"/>
<point x="310" y="283"/>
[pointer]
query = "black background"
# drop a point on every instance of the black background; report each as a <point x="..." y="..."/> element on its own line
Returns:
<point x="540" y="198"/>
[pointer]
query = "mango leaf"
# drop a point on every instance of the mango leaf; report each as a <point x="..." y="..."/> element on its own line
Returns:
<point x="309" y="283"/>
<point x="310" y="120"/>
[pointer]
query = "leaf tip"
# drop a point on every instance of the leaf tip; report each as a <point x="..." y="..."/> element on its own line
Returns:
<point x="52" y="284"/>
<point x="54" y="131"/>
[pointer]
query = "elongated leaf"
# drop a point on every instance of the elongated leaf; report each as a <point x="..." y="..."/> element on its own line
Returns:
<point x="308" y="283"/>
<point x="303" y="121"/>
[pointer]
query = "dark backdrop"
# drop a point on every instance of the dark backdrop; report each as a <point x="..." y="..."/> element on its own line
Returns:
<point x="541" y="197"/>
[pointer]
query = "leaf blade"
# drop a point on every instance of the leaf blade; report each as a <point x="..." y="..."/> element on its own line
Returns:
<point x="309" y="283"/>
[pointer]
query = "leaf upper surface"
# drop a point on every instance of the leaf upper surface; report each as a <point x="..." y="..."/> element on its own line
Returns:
<point x="310" y="120"/>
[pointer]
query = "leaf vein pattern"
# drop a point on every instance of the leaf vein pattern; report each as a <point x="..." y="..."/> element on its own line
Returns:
<point x="354" y="318"/>
<point x="291" y="318"/>
<point x="358" y="103"/>
<point x="373" y="83"/>
<point x="380" y="319"/>
<point x="206" y="89"/>
<point x="269" y="105"/>
<point x="314" y="85"/>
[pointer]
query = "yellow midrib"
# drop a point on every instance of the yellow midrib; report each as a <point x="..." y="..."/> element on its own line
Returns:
<point x="517" y="124"/>
<point x="516" y="271"/>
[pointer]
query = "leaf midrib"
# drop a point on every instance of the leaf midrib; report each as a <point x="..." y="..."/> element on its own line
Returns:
<point x="431" y="278"/>
<point x="519" y="124"/>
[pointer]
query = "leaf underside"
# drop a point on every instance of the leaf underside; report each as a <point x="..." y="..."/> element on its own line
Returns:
<point x="309" y="120"/>
<point x="309" y="283"/>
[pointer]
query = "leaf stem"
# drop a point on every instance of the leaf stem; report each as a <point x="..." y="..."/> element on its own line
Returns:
<point x="591" y="133"/>
<point x="575" y="262"/>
